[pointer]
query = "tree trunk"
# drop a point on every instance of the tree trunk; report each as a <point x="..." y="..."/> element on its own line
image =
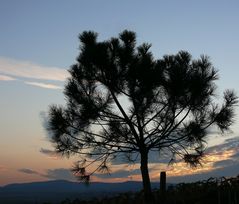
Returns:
<point x="148" y="196"/>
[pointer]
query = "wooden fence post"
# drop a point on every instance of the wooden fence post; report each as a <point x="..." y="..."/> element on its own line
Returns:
<point x="163" y="186"/>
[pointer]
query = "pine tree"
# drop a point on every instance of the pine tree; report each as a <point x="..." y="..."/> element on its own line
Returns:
<point x="120" y="100"/>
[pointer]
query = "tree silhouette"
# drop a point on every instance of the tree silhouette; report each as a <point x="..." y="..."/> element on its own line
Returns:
<point x="119" y="99"/>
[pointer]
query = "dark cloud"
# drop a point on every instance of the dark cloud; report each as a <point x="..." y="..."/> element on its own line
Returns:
<point x="61" y="173"/>
<point x="224" y="163"/>
<point x="228" y="144"/>
<point x="118" y="174"/>
<point x="164" y="157"/>
<point x="28" y="171"/>
<point x="47" y="151"/>
<point x="236" y="155"/>
<point x="56" y="174"/>
<point x="123" y="158"/>
<point x="154" y="157"/>
<point x="234" y="140"/>
<point x="50" y="153"/>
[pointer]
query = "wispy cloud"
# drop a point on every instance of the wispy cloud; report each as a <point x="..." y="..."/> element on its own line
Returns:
<point x="60" y="173"/>
<point x="43" y="85"/>
<point x="122" y="173"/>
<point x="27" y="171"/>
<point x="47" y="151"/>
<point x="6" y="78"/>
<point x="50" y="153"/>
<point x="28" y="69"/>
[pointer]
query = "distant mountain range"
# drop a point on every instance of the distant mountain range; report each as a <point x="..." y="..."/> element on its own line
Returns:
<point x="59" y="190"/>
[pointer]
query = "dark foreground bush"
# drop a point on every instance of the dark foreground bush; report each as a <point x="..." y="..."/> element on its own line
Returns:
<point x="211" y="191"/>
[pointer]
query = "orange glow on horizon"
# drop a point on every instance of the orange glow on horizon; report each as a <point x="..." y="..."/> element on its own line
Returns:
<point x="182" y="169"/>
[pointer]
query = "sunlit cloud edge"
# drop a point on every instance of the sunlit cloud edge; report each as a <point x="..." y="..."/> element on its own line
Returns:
<point x="6" y="78"/>
<point x="43" y="85"/>
<point x="26" y="69"/>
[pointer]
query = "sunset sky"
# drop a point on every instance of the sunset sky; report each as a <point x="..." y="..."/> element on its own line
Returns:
<point x="39" y="42"/>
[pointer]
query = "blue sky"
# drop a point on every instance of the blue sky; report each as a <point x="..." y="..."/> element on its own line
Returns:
<point x="39" y="41"/>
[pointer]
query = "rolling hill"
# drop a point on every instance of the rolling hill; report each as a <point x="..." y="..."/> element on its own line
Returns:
<point x="58" y="190"/>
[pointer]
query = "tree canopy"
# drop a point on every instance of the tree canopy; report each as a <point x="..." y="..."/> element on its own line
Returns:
<point x="120" y="99"/>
